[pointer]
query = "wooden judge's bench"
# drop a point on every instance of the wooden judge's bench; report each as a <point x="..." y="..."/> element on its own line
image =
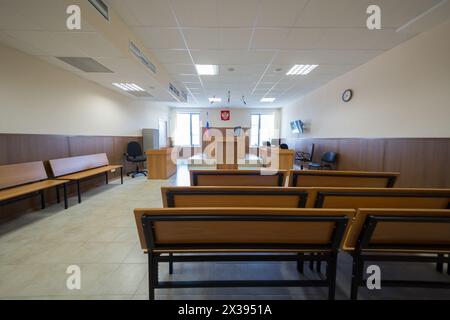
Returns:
<point x="227" y="148"/>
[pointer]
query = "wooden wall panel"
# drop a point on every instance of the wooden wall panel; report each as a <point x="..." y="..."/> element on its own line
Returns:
<point x="18" y="148"/>
<point x="422" y="162"/>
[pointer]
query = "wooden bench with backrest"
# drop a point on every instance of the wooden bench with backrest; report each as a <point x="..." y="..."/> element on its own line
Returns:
<point x="261" y="177"/>
<point x="400" y="198"/>
<point x="24" y="180"/>
<point x="221" y="197"/>
<point x="269" y="197"/>
<point x="80" y="168"/>
<point x="356" y="179"/>
<point x="356" y="198"/>
<point x="276" y="234"/>
<point x="398" y="235"/>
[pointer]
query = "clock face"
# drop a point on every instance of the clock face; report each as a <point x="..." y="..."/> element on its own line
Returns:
<point x="347" y="95"/>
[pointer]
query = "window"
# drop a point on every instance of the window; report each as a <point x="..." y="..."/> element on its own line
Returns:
<point x="187" y="132"/>
<point x="262" y="129"/>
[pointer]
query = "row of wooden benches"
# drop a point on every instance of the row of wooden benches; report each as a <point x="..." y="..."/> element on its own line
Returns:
<point x="296" y="224"/>
<point x="293" y="178"/>
<point x="280" y="234"/>
<point x="25" y="180"/>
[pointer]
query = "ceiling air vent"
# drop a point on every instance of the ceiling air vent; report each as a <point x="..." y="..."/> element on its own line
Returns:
<point x="85" y="64"/>
<point x="101" y="7"/>
<point x="142" y="57"/>
<point x="181" y="95"/>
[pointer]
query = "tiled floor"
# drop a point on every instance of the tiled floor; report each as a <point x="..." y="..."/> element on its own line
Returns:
<point x="100" y="237"/>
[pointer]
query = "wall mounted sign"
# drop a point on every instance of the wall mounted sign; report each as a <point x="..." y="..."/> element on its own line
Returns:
<point x="225" y="115"/>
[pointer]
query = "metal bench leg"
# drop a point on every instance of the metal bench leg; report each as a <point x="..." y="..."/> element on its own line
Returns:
<point x="357" y="273"/>
<point x="79" y="191"/>
<point x="58" y="200"/>
<point x="300" y="263"/>
<point x="448" y="265"/>
<point x="440" y="265"/>
<point x="66" y="202"/>
<point x="331" y="276"/>
<point x="106" y="177"/>
<point x="121" y="175"/>
<point x="170" y="264"/>
<point x="319" y="265"/>
<point x="42" y="199"/>
<point x="311" y="263"/>
<point x="152" y="276"/>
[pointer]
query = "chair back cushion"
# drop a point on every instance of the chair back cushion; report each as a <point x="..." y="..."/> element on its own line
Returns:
<point x="134" y="149"/>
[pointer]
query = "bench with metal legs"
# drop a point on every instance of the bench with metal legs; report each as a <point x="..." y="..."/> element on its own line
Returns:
<point x="369" y="251"/>
<point x="158" y="252"/>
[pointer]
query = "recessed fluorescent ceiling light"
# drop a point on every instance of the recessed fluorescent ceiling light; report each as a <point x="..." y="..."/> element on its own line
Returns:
<point x="301" y="69"/>
<point x="215" y="99"/>
<point x="267" y="99"/>
<point x="128" y="87"/>
<point x="206" y="69"/>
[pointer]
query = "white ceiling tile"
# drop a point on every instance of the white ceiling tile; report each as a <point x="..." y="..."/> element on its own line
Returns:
<point x="237" y="13"/>
<point x="180" y="68"/>
<point x="237" y="57"/>
<point x="332" y="13"/>
<point x="303" y="38"/>
<point x="235" y="38"/>
<point x="269" y="38"/>
<point x="352" y="13"/>
<point x="160" y="38"/>
<point x="186" y="77"/>
<point x="151" y="13"/>
<point x="279" y="13"/>
<point x="202" y="38"/>
<point x="292" y="57"/>
<point x="196" y="13"/>
<point x="359" y="39"/>
<point x="172" y="56"/>
<point x="240" y="69"/>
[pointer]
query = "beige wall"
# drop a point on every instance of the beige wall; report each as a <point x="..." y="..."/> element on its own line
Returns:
<point x="38" y="98"/>
<point x="405" y="92"/>
<point x="239" y="116"/>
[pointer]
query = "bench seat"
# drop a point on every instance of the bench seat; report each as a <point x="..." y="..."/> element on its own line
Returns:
<point x="25" y="180"/>
<point x="15" y="192"/>
<point x="89" y="173"/>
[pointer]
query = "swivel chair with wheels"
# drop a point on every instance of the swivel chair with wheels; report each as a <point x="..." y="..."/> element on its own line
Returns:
<point x="135" y="155"/>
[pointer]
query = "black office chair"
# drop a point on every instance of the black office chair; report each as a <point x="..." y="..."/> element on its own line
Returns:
<point x="327" y="161"/>
<point x="135" y="155"/>
<point x="304" y="157"/>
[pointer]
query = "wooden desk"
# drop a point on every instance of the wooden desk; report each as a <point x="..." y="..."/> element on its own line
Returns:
<point x="159" y="164"/>
<point x="285" y="157"/>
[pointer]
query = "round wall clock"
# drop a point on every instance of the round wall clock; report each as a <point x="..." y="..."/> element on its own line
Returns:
<point x="347" y="95"/>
